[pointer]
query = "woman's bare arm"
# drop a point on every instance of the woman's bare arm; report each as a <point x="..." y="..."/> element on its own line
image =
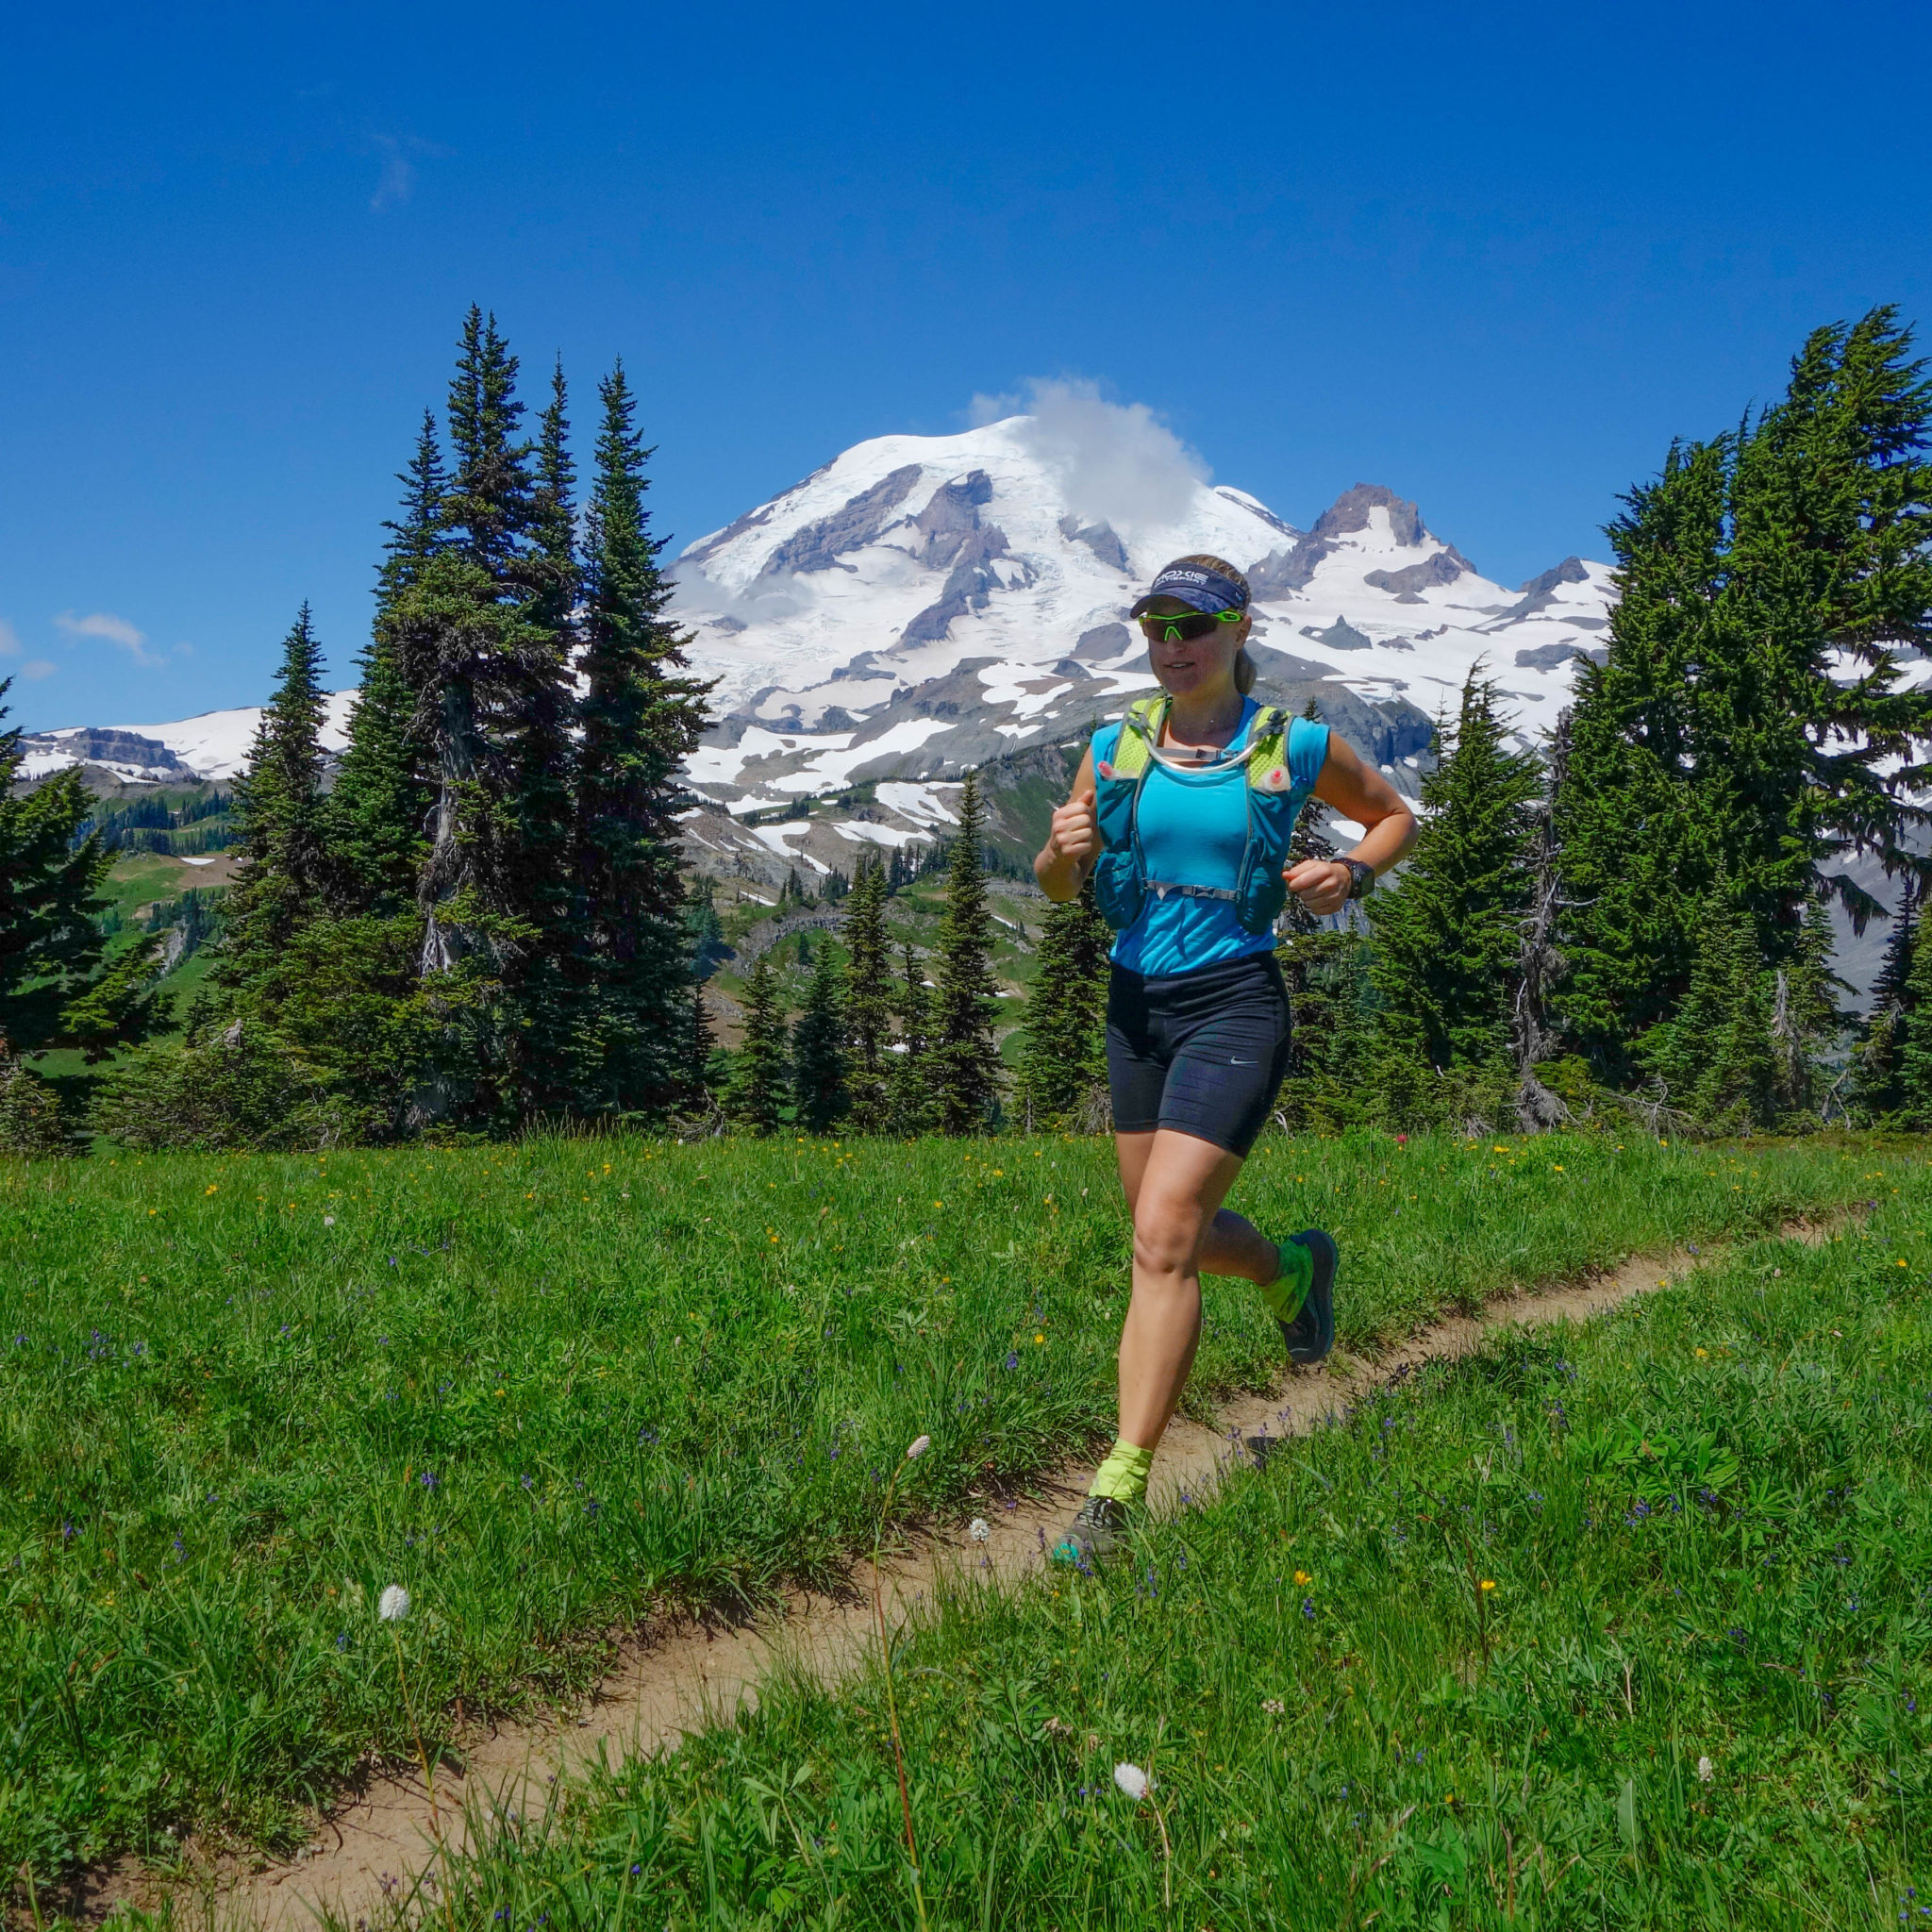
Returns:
<point x="1073" y="842"/>
<point x="1356" y="791"/>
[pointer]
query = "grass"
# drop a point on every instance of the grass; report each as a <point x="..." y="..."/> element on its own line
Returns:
<point x="1624" y="1626"/>
<point x="553" y="1389"/>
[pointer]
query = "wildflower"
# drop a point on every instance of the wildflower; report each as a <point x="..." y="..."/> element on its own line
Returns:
<point x="979" y="1529"/>
<point x="1012" y="1359"/>
<point x="918" y="1448"/>
<point x="1272" y="1705"/>
<point x="394" y="1603"/>
<point x="328" y="1221"/>
<point x="1706" y="1771"/>
<point x="1488" y="1585"/>
<point x="1302" y="1579"/>
<point x="1133" y="1781"/>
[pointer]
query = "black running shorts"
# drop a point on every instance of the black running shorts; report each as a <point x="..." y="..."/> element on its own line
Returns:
<point x="1202" y="1053"/>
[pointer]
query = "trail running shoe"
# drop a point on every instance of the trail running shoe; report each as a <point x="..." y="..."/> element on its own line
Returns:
<point x="1098" y="1534"/>
<point x="1312" y="1334"/>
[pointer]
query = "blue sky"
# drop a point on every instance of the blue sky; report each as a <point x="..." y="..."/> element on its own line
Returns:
<point x="1494" y="257"/>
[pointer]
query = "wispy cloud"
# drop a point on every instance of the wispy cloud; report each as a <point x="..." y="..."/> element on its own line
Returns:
<point x="37" y="668"/>
<point x="398" y="154"/>
<point x="113" y="629"/>
<point x="1117" y="462"/>
<point x="10" y="640"/>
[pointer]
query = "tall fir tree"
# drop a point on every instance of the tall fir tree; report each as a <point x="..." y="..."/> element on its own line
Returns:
<point x="1807" y="1024"/>
<point x="869" y="995"/>
<point x="761" y="1072"/>
<point x="1752" y="726"/>
<point x="477" y="640"/>
<point x="1715" y="1058"/>
<point x="1809" y="746"/>
<point x="964" y="1060"/>
<point x="1913" y="1105"/>
<point x="58" y="987"/>
<point x="1447" y="932"/>
<point x="381" y="802"/>
<point x="817" y="1048"/>
<point x="1875" y="1085"/>
<point x="1637" y="857"/>
<point x="286" y="868"/>
<point x="914" y="1103"/>
<point x="640" y="719"/>
<point x="1062" y="1073"/>
<point x="1538" y="963"/>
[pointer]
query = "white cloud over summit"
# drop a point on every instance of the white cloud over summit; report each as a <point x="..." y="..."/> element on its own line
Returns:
<point x="1117" y="462"/>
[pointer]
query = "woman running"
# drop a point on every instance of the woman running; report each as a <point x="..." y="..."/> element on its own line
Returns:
<point x="1183" y="812"/>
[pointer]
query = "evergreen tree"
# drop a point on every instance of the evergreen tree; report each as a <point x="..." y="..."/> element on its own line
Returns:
<point x="761" y="1075"/>
<point x="1715" y="1058"/>
<point x="965" y="1063"/>
<point x="1538" y="961"/>
<point x="701" y="1048"/>
<point x="640" y="718"/>
<point x="287" y="866"/>
<point x="914" y="1103"/>
<point x="1914" y="1050"/>
<point x="1876" y="1091"/>
<point x="380" y="801"/>
<point x="868" y="997"/>
<point x="1447" y="933"/>
<point x="818" y="1049"/>
<point x="58" y="987"/>
<point x="1637" y="857"/>
<point x="1805" y="1023"/>
<point x="477" y="640"/>
<point x="1063" y="1065"/>
<point x="1724" y="739"/>
<point x="1829" y="572"/>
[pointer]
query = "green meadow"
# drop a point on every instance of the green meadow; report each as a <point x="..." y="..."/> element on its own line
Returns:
<point x="558" y="1389"/>
<point x="1624" y="1625"/>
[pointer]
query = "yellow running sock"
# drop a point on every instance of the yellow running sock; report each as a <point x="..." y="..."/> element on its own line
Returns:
<point x="1123" y="1475"/>
<point x="1285" y="1293"/>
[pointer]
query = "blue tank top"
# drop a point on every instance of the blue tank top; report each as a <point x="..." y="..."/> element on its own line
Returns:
<point x="1193" y="829"/>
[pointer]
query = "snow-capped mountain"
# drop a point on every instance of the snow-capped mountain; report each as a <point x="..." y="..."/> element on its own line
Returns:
<point x="922" y="604"/>
<point x="214" y="745"/>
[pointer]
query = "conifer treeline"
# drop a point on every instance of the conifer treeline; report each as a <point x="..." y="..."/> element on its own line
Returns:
<point x="483" y="923"/>
<point x="1642" y="912"/>
<point x="840" y="1066"/>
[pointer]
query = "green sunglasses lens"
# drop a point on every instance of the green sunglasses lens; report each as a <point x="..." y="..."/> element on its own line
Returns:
<point x="1184" y="626"/>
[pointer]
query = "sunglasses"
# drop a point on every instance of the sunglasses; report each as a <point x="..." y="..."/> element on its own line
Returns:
<point x="1186" y="627"/>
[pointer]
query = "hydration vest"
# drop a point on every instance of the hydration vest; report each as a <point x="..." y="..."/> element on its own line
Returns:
<point x="1283" y="760"/>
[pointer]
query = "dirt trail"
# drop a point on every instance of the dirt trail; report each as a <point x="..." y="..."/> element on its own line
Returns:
<point x="373" y="1848"/>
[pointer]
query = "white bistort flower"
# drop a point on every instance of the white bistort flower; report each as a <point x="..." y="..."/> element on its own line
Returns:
<point x="393" y="1606"/>
<point x="1706" y="1771"/>
<point x="919" y="1449"/>
<point x="1133" y="1781"/>
<point x="979" y="1529"/>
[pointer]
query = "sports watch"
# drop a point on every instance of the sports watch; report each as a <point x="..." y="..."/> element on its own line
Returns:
<point x="1361" y="877"/>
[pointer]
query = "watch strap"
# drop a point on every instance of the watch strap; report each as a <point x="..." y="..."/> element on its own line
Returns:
<point x="1361" y="877"/>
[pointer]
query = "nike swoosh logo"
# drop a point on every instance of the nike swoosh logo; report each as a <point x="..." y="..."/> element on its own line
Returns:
<point x="1243" y="1063"/>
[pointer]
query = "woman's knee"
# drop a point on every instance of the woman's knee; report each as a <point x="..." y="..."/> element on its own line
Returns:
<point x="1167" y="1235"/>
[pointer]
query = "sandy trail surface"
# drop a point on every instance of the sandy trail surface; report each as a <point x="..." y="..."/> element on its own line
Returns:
<point x="377" y="1849"/>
